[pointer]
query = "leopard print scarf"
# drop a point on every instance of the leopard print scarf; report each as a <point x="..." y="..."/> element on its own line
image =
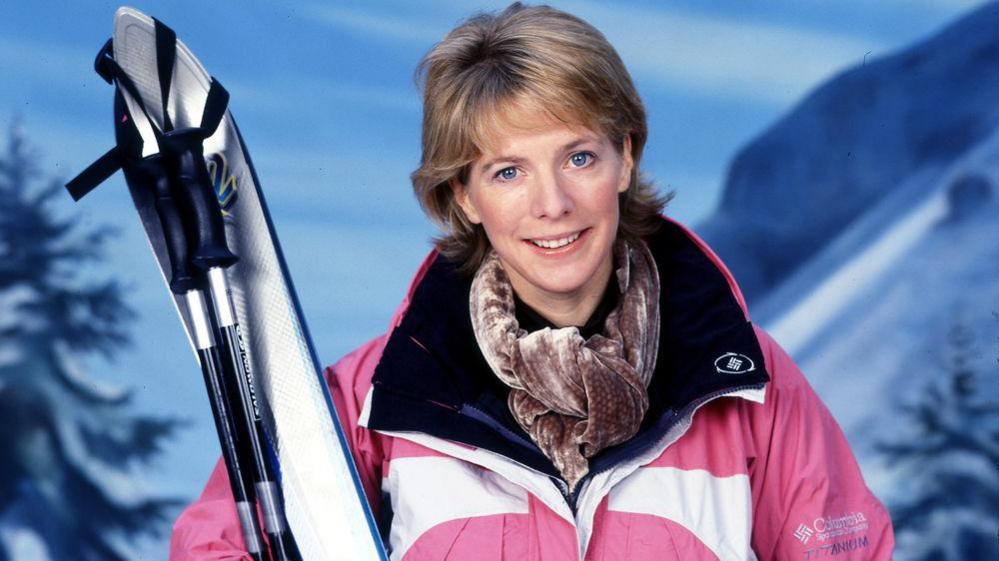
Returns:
<point x="574" y="396"/>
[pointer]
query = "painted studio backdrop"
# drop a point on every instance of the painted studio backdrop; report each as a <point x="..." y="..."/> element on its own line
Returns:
<point x="841" y="157"/>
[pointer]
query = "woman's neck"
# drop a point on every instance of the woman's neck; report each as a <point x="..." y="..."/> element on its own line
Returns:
<point x="567" y="309"/>
<point x="566" y="313"/>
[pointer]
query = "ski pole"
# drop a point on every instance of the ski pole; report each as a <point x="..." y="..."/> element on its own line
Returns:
<point x="183" y="154"/>
<point x="279" y="537"/>
<point x="184" y="283"/>
<point x="211" y="254"/>
<point x="152" y="173"/>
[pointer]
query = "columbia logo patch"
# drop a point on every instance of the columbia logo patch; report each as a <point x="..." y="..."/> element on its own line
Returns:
<point x="734" y="363"/>
<point x="803" y="533"/>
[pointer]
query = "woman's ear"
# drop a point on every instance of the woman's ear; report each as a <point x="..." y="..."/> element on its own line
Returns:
<point x="461" y="197"/>
<point x="627" y="164"/>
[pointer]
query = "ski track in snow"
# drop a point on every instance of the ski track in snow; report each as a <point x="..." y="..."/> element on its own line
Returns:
<point x="810" y="316"/>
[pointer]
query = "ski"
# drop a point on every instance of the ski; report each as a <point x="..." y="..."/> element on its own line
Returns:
<point x="172" y="124"/>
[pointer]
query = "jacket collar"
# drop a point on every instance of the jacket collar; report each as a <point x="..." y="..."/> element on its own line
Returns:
<point x="433" y="379"/>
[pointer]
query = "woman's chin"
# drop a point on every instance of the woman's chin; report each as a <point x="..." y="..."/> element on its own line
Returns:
<point x="562" y="283"/>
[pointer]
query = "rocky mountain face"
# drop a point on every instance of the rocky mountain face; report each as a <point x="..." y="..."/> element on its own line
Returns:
<point x="852" y="143"/>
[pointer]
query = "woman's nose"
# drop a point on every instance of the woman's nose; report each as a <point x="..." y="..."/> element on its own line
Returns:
<point x="550" y="197"/>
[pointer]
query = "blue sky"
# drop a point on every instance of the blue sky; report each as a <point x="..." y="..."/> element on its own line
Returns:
<point x="324" y="96"/>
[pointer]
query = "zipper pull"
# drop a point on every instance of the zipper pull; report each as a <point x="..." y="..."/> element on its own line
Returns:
<point x="563" y="488"/>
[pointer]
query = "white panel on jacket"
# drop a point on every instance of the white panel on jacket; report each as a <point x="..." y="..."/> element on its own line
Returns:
<point x="718" y="510"/>
<point x="428" y="491"/>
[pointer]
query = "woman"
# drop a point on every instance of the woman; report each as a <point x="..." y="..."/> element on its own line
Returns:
<point x="572" y="376"/>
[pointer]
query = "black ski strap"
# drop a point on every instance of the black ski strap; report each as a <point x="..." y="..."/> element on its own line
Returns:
<point x="215" y="107"/>
<point x="101" y="61"/>
<point x="105" y="166"/>
<point x="216" y="104"/>
<point x="112" y="160"/>
<point x="108" y="68"/>
<point x="95" y="174"/>
<point x="166" y="55"/>
<point x="128" y="85"/>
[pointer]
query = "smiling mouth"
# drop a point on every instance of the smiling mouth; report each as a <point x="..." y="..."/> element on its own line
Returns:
<point x="557" y="243"/>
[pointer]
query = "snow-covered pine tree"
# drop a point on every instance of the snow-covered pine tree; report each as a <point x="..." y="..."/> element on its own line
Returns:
<point x="947" y="451"/>
<point x="69" y="487"/>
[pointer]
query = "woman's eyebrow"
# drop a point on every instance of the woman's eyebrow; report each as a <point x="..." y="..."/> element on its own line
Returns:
<point x="504" y="159"/>
<point x="578" y="142"/>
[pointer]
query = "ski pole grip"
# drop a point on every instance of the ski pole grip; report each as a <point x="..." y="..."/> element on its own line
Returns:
<point x="152" y="173"/>
<point x="193" y="183"/>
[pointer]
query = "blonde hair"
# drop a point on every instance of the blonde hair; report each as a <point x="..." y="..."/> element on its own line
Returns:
<point x="537" y="57"/>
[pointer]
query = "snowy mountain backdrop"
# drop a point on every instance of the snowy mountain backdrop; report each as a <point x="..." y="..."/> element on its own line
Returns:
<point x="864" y="229"/>
<point x="862" y="225"/>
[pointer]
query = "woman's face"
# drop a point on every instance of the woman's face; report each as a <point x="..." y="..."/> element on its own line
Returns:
<point x="548" y="201"/>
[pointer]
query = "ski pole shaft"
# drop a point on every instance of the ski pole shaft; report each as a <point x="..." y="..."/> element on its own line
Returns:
<point x="239" y="480"/>
<point x="279" y="537"/>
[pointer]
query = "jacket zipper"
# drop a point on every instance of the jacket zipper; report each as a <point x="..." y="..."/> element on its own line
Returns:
<point x="563" y="488"/>
<point x="481" y="416"/>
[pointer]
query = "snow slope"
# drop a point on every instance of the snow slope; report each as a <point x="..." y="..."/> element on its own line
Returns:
<point x="873" y="332"/>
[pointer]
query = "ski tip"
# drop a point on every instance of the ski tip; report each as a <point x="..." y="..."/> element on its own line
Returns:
<point x="128" y="11"/>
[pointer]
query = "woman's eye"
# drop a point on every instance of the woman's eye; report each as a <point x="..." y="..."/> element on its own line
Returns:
<point x="507" y="174"/>
<point x="581" y="159"/>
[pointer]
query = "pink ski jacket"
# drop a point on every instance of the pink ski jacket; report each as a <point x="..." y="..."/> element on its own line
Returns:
<point x="737" y="458"/>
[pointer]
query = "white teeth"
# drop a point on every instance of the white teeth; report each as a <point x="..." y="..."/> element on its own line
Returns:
<point x="555" y="244"/>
